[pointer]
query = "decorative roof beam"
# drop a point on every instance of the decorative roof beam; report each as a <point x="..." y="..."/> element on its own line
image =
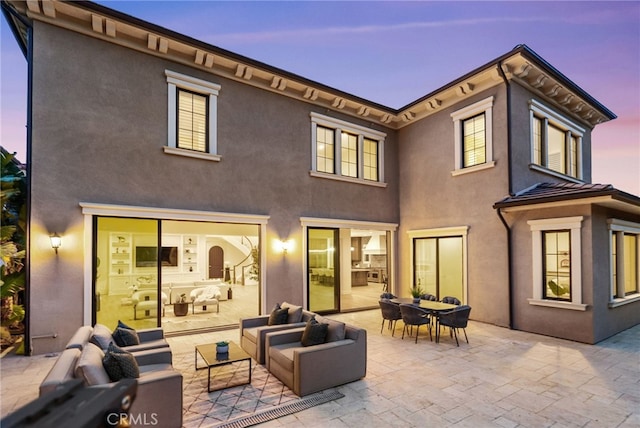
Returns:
<point x="278" y="83"/>
<point x="311" y="94"/>
<point x="539" y="81"/>
<point x="433" y="104"/>
<point x="364" y="111"/>
<point x="339" y="102"/>
<point x="49" y="8"/>
<point x="408" y="116"/>
<point x="524" y="70"/>
<point x="386" y="118"/>
<point x="554" y="91"/>
<point x="464" y="89"/>
<point x="244" y="72"/>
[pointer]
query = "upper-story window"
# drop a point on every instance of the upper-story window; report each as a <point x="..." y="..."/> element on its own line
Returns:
<point x="473" y="135"/>
<point x="556" y="142"/>
<point x="345" y="151"/>
<point x="192" y="117"/>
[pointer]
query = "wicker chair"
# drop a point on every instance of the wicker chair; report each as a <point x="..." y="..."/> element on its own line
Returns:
<point x="414" y="315"/>
<point x="387" y="296"/>
<point x="451" y="300"/>
<point x="455" y="319"/>
<point x="428" y="296"/>
<point x="391" y="313"/>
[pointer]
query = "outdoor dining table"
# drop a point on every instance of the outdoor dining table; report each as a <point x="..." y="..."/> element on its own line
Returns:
<point x="435" y="308"/>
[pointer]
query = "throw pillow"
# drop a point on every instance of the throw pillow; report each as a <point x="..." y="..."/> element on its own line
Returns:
<point x="123" y="325"/>
<point x="336" y="330"/>
<point x="120" y="364"/>
<point x="125" y="337"/>
<point x="278" y="315"/>
<point x="101" y="336"/>
<point x="314" y="333"/>
<point x="295" y="312"/>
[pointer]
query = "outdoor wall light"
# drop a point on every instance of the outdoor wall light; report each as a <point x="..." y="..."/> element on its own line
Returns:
<point x="284" y="246"/>
<point x="56" y="241"/>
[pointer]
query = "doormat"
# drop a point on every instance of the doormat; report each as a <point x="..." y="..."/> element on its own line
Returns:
<point x="283" y="410"/>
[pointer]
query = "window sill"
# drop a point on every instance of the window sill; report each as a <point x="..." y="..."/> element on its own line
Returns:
<point x="474" y="168"/>
<point x="558" y="304"/>
<point x="557" y="174"/>
<point x="347" y="179"/>
<point x="621" y="301"/>
<point x="191" y="154"/>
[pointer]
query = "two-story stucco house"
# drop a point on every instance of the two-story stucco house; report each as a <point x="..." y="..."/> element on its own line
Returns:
<point x="166" y="165"/>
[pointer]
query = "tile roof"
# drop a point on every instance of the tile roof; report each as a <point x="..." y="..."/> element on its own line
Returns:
<point x="552" y="192"/>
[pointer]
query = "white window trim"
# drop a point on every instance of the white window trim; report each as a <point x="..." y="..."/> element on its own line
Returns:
<point x="574" y="224"/>
<point x="177" y="80"/>
<point x="362" y="132"/>
<point x="621" y="227"/>
<point x="483" y="106"/>
<point x="550" y="116"/>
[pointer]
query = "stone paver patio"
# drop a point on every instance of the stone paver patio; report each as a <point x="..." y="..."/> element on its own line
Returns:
<point x="502" y="378"/>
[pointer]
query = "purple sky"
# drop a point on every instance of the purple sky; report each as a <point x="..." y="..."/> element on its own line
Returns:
<point x="394" y="52"/>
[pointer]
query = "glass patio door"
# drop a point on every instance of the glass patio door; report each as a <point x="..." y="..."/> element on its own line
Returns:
<point x="324" y="274"/>
<point x="126" y="272"/>
<point x="437" y="266"/>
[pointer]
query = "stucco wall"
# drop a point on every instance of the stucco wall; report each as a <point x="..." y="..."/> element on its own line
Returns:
<point x="430" y="197"/>
<point x="99" y="125"/>
<point x="608" y="320"/>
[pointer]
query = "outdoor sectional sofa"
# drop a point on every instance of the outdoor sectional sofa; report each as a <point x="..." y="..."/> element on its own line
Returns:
<point x="340" y="359"/>
<point x="159" y="393"/>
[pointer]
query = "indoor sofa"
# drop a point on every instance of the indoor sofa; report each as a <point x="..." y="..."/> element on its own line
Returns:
<point x="341" y="359"/>
<point x="253" y="331"/>
<point x="159" y="391"/>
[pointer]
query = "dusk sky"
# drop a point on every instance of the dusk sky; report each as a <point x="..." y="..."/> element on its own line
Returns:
<point x="393" y="53"/>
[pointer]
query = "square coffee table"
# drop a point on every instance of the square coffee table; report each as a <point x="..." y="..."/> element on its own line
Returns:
<point x="213" y="359"/>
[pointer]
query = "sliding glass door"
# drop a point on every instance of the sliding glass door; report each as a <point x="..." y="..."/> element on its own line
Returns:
<point x="126" y="272"/>
<point x="324" y="274"/>
<point x="438" y="264"/>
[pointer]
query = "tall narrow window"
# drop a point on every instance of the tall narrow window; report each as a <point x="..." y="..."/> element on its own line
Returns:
<point x="349" y="155"/>
<point x="555" y="142"/>
<point x="473" y="137"/>
<point x="192" y="117"/>
<point x="557" y="265"/>
<point x="630" y="264"/>
<point x="474" y="141"/>
<point x="370" y="159"/>
<point x="192" y="121"/>
<point x="625" y="261"/>
<point x="325" y="149"/>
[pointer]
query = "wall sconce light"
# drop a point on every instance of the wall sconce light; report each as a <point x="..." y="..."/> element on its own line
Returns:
<point x="283" y="246"/>
<point x="56" y="241"/>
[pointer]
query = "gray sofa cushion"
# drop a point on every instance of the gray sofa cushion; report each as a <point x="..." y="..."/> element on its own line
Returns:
<point x="336" y="330"/>
<point x="101" y="336"/>
<point x="295" y="312"/>
<point x="89" y="366"/>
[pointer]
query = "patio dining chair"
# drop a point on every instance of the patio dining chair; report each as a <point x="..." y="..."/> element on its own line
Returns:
<point x="429" y="296"/>
<point x="387" y="296"/>
<point x="390" y="313"/>
<point x="455" y="319"/>
<point x="451" y="300"/>
<point x="414" y="315"/>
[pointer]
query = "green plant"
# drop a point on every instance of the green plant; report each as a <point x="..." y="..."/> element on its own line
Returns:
<point x="222" y="343"/>
<point x="12" y="240"/>
<point x="416" y="291"/>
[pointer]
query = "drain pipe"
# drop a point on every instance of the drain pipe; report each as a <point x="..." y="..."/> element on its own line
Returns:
<point x="510" y="185"/>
